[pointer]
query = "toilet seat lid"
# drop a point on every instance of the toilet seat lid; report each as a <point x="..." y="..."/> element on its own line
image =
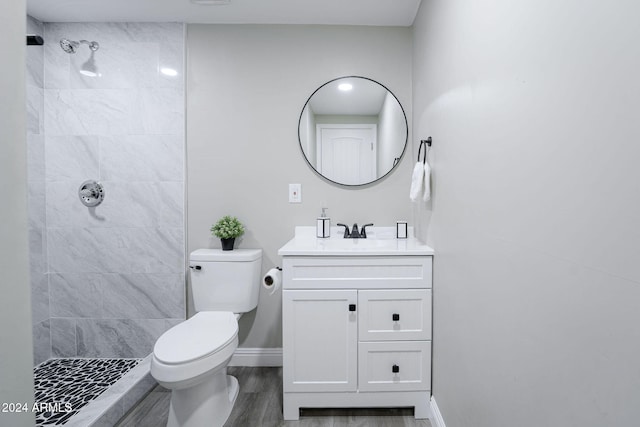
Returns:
<point x="205" y="333"/>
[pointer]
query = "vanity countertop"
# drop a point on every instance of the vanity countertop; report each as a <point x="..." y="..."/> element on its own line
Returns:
<point x="381" y="241"/>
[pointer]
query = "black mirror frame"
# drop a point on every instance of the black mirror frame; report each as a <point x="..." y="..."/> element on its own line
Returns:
<point x="395" y="165"/>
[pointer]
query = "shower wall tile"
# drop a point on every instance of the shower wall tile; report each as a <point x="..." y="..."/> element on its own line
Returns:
<point x="41" y="342"/>
<point x="92" y="112"/>
<point x="170" y="323"/>
<point x="34" y="26"/>
<point x="142" y="32"/>
<point x="116" y="271"/>
<point x="144" y="204"/>
<point x="142" y="158"/>
<point x="171" y="57"/>
<point x="117" y="337"/>
<point x="35" y="158"/>
<point x="162" y="110"/>
<point x="170" y="205"/>
<point x="157" y="250"/>
<point x="35" y="66"/>
<point x="39" y="298"/>
<point x="57" y="63"/>
<point x="35" y="110"/>
<point x="63" y="206"/>
<point x="37" y="258"/>
<point x="38" y="277"/>
<point x="126" y="205"/>
<point x="144" y="296"/>
<point x="71" y="158"/>
<point x="114" y="111"/>
<point x="36" y="196"/>
<point x="63" y="337"/>
<point x="76" y="295"/>
<point x="36" y="204"/>
<point x="116" y="250"/>
<point x="117" y="296"/>
<point x="35" y="55"/>
<point x="87" y="250"/>
<point x="120" y="66"/>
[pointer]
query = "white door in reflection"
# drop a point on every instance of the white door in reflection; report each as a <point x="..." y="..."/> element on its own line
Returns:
<point x="347" y="153"/>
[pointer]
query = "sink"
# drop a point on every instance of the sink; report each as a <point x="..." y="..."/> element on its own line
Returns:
<point x="339" y="243"/>
<point x="381" y="241"/>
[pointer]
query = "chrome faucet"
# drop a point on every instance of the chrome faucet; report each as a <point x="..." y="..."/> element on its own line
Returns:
<point x="355" y="234"/>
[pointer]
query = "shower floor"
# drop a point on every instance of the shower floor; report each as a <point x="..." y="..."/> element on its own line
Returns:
<point x="64" y="386"/>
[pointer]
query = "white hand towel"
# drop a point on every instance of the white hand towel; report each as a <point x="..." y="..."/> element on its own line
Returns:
<point x="426" y="195"/>
<point x="417" y="181"/>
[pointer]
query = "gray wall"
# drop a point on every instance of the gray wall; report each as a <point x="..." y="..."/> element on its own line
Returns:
<point x="121" y="265"/>
<point x="246" y="87"/>
<point x="390" y="130"/>
<point x="533" y="107"/>
<point x="16" y="376"/>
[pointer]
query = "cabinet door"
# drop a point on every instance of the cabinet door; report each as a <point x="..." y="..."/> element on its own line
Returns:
<point x="319" y="337"/>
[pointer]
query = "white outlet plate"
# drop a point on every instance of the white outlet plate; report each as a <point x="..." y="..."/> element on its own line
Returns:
<point x="295" y="193"/>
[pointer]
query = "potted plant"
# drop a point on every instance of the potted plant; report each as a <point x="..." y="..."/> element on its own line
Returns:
<point x="227" y="229"/>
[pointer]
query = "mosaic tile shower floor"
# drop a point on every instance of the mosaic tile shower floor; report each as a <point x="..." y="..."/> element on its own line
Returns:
<point x="66" y="385"/>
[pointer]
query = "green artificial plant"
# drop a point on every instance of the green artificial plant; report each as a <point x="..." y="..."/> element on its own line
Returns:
<point x="227" y="227"/>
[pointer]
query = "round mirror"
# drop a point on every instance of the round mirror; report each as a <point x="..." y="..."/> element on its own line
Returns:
<point x="352" y="130"/>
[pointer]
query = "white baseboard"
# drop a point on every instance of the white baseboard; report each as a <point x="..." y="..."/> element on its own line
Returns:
<point x="436" y="416"/>
<point x="256" y="357"/>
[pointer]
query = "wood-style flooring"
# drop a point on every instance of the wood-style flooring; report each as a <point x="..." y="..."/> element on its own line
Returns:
<point x="259" y="404"/>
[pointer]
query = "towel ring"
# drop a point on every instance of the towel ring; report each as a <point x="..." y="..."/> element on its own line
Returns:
<point x="423" y="143"/>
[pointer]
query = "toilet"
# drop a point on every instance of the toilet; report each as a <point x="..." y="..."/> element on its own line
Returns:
<point x="191" y="358"/>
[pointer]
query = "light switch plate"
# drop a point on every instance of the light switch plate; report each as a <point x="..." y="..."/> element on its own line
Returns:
<point x="295" y="193"/>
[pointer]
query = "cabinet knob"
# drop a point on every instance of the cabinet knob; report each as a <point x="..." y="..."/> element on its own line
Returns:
<point x="395" y="317"/>
<point x="395" y="369"/>
<point x="352" y="307"/>
<point x="195" y="267"/>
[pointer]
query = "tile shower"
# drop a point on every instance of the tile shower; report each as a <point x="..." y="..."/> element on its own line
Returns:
<point x="106" y="281"/>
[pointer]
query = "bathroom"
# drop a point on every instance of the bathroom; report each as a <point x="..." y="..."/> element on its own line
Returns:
<point x="531" y="108"/>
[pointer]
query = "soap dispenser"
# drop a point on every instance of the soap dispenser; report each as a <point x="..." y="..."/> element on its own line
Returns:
<point x="323" y="225"/>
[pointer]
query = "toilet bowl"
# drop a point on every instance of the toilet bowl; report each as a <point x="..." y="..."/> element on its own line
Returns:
<point x="191" y="360"/>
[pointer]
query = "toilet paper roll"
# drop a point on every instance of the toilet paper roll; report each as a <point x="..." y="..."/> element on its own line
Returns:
<point x="272" y="280"/>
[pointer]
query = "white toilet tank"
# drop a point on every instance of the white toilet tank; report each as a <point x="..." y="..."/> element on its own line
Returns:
<point x="225" y="280"/>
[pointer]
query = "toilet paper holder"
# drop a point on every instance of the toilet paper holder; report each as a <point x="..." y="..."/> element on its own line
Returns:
<point x="272" y="280"/>
<point x="268" y="280"/>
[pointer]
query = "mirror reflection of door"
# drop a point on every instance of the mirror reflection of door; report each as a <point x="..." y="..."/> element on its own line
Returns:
<point x="347" y="153"/>
<point x="352" y="103"/>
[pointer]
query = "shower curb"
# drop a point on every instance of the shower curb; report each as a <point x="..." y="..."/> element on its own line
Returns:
<point x="107" y="409"/>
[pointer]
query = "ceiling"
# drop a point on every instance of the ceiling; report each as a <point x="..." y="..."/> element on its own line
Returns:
<point x="325" y="12"/>
<point x="364" y="99"/>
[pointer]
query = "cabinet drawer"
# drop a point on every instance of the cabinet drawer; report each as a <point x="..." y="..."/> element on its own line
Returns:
<point x="377" y="362"/>
<point x="399" y="314"/>
<point x="370" y="272"/>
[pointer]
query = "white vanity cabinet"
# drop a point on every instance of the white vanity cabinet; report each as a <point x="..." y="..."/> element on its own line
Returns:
<point x="356" y="332"/>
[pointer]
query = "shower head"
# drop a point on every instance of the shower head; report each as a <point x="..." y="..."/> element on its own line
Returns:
<point x="89" y="68"/>
<point x="71" y="46"/>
